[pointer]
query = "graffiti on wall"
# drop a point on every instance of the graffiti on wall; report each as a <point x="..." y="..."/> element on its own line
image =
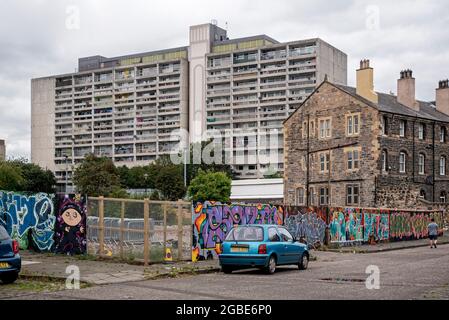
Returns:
<point x="346" y="225"/>
<point x="308" y="223"/>
<point x="412" y="225"/>
<point x="29" y="219"/>
<point x="376" y="226"/>
<point x="212" y="221"/>
<point x="70" y="227"/>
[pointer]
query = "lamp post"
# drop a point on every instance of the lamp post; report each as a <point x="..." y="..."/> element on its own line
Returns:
<point x="66" y="172"/>
<point x="145" y="177"/>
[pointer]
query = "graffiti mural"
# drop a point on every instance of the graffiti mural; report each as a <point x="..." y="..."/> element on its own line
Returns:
<point x="70" y="227"/>
<point x="346" y="225"/>
<point x="212" y="222"/>
<point x="29" y="219"/>
<point x="412" y="225"/>
<point x="376" y="226"/>
<point x="309" y="223"/>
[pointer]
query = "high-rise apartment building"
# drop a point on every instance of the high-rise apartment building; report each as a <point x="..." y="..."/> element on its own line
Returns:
<point x="128" y="108"/>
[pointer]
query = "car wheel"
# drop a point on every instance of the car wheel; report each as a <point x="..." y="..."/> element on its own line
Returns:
<point x="227" y="269"/>
<point x="9" y="278"/>
<point x="271" y="267"/>
<point x="303" y="262"/>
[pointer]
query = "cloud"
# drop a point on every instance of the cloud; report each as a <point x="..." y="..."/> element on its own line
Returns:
<point x="37" y="39"/>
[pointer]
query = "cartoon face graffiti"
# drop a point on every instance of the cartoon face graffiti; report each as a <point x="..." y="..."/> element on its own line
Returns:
<point x="71" y="228"/>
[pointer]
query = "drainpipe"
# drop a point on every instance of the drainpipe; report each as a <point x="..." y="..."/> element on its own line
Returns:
<point x="307" y="161"/>
<point x="433" y="162"/>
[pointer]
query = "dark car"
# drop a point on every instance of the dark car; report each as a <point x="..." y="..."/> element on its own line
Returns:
<point x="10" y="261"/>
<point x="262" y="246"/>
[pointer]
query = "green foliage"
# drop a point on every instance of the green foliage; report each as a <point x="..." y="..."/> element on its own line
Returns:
<point x="11" y="178"/>
<point x="206" y="149"/>
<point x="170" y="182"/>
<point x="19" y="175"/>
<point x="212" y="186"/>
<point x="96" y="176"/>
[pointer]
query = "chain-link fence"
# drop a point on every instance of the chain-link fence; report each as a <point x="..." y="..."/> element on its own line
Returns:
<point x="145" y="230"/>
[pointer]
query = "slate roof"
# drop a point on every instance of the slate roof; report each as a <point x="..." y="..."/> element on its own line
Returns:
<point x="388" y="103"/>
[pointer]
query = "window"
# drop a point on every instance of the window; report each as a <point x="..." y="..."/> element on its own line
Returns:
<point x="285" y="235"/>
<point x="3" y="234"/>
<point x="273" y="235"/>
<point x="325" y="128"/>
<point x="353" y="160"/>
<point x="402" y="128"/>
<point x="324" y="162"/>
<point x="304" y="163"/>
<point x="383" y="125"/>
<point x="442" y="166"/>
<point x="443" y="197"/>
<point x="304" y="129"/>
<point x="352" y="194"/>
<point x="312" y="128"/>
<point x="324" y="196"/>
<point x="421" y="163"/>
<point x="421" y="129"/>
<point x="443" y="134"/>
<point x="245" y="233"/>
<point x="402" y="159"/>
<point x="311" y="196"/>
<point x="352" y="125"/>
<point x="300" y="196"/>
<point x="422" y="194"/>
<point x="384" y="161"/>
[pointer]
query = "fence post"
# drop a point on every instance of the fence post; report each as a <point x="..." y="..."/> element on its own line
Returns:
<point x="101" y="224"/>
<point x="165" y="228"/>
<point x="180" y="220"/>
<point x="327" y="231"/>
<point x="146" y="217"/>
<point x="122" y="228"/>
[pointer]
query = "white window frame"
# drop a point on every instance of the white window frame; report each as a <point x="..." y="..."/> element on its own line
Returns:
<point x="352" y="125"/>
<point x="351" y="195"/>
<point x="442" y="134"/>
<point x="443" y="197"/>
<point x="402" y="125"/>
<point x="402" y="162"/>
<point x="353" y="160"/>
<point x="421" y="131"/>
<point x="325" y="127"/>
<point x="442" y="166"/>
<point x="421" y="164"/>
<point x="384" y="161"/>
<point x="324" y="196"/>
<point x="300" y="200"/>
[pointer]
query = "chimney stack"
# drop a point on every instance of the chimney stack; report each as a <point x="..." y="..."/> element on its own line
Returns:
<point x="365" y="82"/>
<point x="442" y="97"/>
<point x="406" y="90"/>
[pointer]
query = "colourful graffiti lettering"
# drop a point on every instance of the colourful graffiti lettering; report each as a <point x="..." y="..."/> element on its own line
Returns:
<point x="29" y="219"/>
<point x="409" y="226"/>
<point x="306" y="223"/>
<point x="346" y="225"/>
<point x="213" y="221"/>
<point x="376" y="226"/>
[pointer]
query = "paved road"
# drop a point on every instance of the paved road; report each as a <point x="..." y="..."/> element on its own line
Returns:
<point x="419" y="273"/>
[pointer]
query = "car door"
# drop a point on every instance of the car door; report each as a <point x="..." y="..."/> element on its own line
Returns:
<point x="291" y="250"/>
<point x="275" y="244"/>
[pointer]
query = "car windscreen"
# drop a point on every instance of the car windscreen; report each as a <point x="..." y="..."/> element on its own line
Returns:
<point x="3" y="234"/>
<point x="245" y="234"/>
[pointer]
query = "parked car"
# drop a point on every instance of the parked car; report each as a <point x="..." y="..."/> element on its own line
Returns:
<point x="262" y="246"/>
<point x="10" y="261"/>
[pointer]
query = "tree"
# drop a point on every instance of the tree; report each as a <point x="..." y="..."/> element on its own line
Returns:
<point x="96" y="176"/>
<point x="35" y="178"/>
<point x="169" y="181"/>
<point x="210" y="186"/>
<point x="11" y="178"/>
<point x="207" y="148"/>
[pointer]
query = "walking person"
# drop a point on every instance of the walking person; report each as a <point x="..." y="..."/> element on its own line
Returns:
<point x="433" y="233"/>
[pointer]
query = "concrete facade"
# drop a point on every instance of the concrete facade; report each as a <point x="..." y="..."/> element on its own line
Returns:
<point x="2" y="150"/>
<point x="130" y="108"/>
<point x="396" y="157"/>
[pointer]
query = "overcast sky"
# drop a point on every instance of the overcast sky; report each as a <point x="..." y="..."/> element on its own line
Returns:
<point x="45" y="37"/>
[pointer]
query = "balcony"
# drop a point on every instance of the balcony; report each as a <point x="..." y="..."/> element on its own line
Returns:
<point x="297" y="52"/>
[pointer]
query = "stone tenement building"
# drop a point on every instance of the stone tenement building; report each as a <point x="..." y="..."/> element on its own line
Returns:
<point x="354" y="147"/>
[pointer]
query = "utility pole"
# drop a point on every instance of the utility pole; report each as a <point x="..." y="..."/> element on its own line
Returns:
<point x="307" y="161"/>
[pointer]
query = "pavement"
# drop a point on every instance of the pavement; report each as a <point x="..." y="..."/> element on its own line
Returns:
<point x="106" y="272"/>
<point x="389" y="246"/>
<point x="416" y="273"/>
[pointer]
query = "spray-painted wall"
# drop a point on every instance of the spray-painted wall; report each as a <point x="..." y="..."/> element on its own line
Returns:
<point x="31" y="219"/>
<point x="308" y="223"/>
<point x="212" y="221"/>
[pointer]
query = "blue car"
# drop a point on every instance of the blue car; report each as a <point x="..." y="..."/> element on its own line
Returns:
<point x="10" y="261"/>
<point x="262" y="246"/>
